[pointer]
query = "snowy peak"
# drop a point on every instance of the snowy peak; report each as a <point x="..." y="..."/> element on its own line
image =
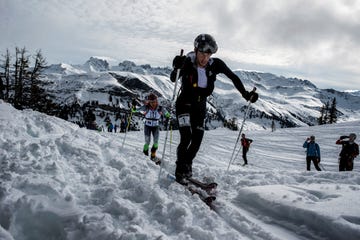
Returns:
<point x="129" y="66"/>
<point x="274" y="81"/>
<point x="63" y="69"/>
<point x="354" y="92"/>
<point x="95" y="64"/>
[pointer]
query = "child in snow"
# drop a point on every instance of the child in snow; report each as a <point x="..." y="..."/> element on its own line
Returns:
<point x="245" y="143"/>
<point x="152" y="113"/>
<point x="312" y="153"/>
<point x="198" y="72"/>
<point x="349" y="151"/>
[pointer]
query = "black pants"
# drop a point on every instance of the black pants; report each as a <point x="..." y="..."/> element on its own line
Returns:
<point x="313" y="159"/>
<point x="191" y="136"/>
<point x="346" y="164"/>
<point x="245" y="150"/>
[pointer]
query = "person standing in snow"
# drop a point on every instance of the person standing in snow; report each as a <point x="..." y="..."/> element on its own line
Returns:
<point x="273" y="127"/>
<point x="198" y="70"/>
<point x="245" y="143"/>
<point x="152" y="113"/>
<point x="312" y="153"/>
<point x="349" y="151"/>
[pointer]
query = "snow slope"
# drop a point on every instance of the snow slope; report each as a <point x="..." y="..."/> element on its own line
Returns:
<point x="59" y="181"/>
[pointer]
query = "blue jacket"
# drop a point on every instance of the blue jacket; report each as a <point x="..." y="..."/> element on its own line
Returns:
<point x="312" y="149"/>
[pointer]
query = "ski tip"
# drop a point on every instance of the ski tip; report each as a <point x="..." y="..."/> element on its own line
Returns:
<point x="213" y="185"/>
<point x="156" y="160"/>
<point x="210" y="199"/>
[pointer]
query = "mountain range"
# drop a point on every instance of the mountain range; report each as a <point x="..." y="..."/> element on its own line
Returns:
<point x="289" y="102"/>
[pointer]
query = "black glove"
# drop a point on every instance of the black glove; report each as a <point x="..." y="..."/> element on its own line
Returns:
<point x="133" y="103"/>
<point x="179" y="61"/>
<point x="252" y="96"/>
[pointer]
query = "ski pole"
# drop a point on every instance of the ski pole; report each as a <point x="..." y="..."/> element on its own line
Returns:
<point x="238" y="138"/>
<point x="128" y="124"/>
<point x="170" y="137"/>
<point x="171" y="108"/>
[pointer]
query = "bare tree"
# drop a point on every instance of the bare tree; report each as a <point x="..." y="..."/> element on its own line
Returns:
<point x="5" y="75"/>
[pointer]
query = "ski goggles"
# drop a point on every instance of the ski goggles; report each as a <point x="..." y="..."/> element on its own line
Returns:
<point x="207" y="48"/>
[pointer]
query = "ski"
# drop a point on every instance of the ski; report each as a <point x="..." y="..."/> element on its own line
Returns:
<point x="205" y="191"/>
<point x="208" y="187"/>
<point x="156" y="160"/>
<point x="205" y="197"/>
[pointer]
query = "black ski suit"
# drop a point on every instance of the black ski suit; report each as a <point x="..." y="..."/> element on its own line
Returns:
<point x="191" y="107"/>
<point x="349" y="151"/>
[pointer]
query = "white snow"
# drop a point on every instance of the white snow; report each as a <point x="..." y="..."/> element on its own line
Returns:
<point x="59" y="181"/>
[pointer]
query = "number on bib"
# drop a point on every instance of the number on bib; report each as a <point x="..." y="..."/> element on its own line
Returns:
<point x="184" y="120"/>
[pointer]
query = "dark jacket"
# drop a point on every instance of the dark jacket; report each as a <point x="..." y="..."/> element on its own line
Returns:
<point x="245" y="142"/>
<point x="190" y="91"/>
<point x="349" y="150"/>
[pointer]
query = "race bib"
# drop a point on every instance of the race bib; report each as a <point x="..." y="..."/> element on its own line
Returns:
<point x="152" y="123"/>
<point x="184" y="120"/>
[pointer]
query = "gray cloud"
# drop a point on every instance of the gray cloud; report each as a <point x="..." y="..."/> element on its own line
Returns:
<point x="318" y="40"/>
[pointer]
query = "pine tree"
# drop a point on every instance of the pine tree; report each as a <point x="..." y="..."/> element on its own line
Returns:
<point x="36" y="93"/>
<point x="333" y="112"/>
<point x="322" y="114"/>
<point x="326" y="113"/>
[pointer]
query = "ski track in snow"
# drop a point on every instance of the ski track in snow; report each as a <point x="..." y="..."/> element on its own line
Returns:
<point x="63" y="182"/>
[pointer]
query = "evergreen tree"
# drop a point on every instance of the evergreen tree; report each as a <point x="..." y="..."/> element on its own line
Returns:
<point x="322" y="114"/>
<point x="333" y="112"/>
<point x="37" y="95"/>
<point x="326" y="113"/>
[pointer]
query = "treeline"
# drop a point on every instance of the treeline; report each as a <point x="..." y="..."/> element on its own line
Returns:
<point x="20" y="82"/>
<point x="328" y="113"/>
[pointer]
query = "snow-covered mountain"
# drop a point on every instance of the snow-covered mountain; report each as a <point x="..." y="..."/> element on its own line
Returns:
<point x="354" y="92"/>
<point x="288" y="101"/>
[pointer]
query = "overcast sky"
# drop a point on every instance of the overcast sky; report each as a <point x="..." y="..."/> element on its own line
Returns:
<point x="318" y="40"/>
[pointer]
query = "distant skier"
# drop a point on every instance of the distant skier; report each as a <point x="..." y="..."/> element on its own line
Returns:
<point x="152" y="113"/>
<point x="123" y="125"/>
<point x="349" y="151"/>
<point x="273" y="127"/>
<point x="198" y="72"/>
<point x="245" y="143"/>
<point x="312" y="153"/>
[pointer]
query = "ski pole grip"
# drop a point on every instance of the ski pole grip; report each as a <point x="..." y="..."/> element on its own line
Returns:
<point x="181" y="52"/>
<point x="254" y="90"/>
